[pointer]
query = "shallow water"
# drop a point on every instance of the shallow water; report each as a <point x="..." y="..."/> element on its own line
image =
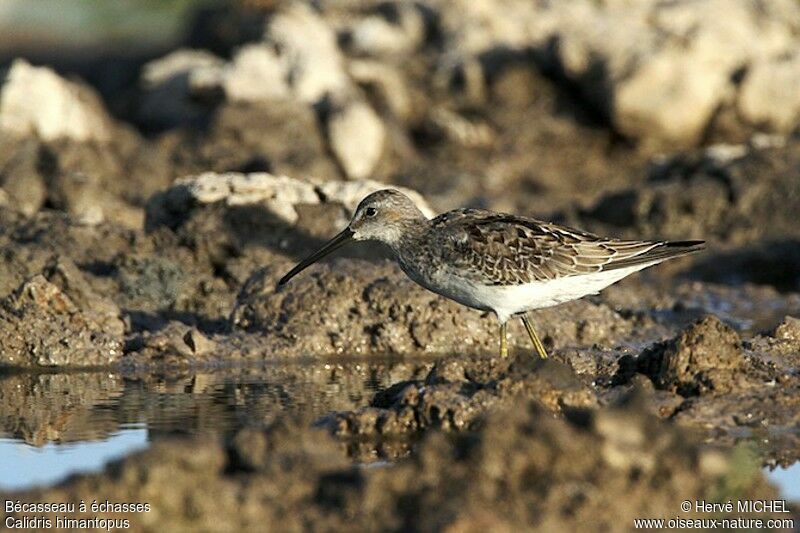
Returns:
<point x="54" y="425"/>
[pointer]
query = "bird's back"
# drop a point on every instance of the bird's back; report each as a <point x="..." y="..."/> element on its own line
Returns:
<point x="501" y="249"/>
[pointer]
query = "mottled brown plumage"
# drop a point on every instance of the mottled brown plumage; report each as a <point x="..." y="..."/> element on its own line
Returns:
<point x="501" y="249"/>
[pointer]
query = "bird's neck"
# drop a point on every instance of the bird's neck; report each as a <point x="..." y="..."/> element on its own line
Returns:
<point x="408" y="236"/>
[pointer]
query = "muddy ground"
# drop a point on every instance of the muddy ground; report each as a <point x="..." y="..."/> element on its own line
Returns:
<point x="676" y="384"/>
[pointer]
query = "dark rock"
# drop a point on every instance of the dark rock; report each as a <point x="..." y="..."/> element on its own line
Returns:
<point x="708" y="195"/>
<point x="63" y="273"/>
<point x="705" y="358"/>
<point x="19" y="175"/>
<point x="40" y="326"/>
<point x="285" y="133"/>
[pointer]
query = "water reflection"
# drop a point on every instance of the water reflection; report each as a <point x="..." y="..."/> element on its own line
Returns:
<point x="67" y="413"/>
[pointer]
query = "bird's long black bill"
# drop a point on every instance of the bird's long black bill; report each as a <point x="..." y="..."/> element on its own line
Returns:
<point x="337" y="242"/>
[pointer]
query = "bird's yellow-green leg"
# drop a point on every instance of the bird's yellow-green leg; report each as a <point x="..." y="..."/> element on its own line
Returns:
<point x="503" y="340"/>
<point x="534" y="337"/>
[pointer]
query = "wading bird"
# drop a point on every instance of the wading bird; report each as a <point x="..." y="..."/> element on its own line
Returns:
<point x="506" y="264"/>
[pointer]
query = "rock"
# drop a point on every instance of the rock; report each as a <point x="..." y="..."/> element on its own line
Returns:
<point x="37" y="101"/>
<point x="458" y="392"/>
<point x="389" y="83"/>
<point x="280" y="196"/>
<point x="176" y="64"/>
<point x="668" y="99"/>
<point x="465" y="132"/>
<point x="256" y="73"/>
<point x="63" y="273"/>
<point x="77" y="182"/>
<point x="308" y="45"/>
<point x="702" y="195"/>
<point x="21" y="180"/>
<point x="788" y="330"/>
<point x="171" y="84"/>
<point x="176" y="343"/>
<point x="276" y="136"/>
<point x="150" y="283"/>
<point x="377" y="35"/>
<point x="356" y="135"/>
<point x="768" y="99"/>
<point x="91" y="181"/>
<point x="474" y="27"/>
<point x="658" y="71"/>
<point x="41" y="326"/>
<point x="706" y="358"/>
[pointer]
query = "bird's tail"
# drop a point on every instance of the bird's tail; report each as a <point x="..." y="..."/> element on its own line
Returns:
<point x="661" y="252"/>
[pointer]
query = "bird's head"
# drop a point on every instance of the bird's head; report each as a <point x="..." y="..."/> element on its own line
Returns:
<point x="384" y="216"/>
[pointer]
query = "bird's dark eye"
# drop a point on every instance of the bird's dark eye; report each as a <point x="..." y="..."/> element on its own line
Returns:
<point x="370" y="211"/>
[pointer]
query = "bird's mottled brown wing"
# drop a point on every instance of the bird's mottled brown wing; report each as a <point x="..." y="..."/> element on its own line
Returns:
<point x="500" y="249"/>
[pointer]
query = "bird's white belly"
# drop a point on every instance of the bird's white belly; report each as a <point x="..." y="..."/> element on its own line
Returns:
<point x="508" y="300"/>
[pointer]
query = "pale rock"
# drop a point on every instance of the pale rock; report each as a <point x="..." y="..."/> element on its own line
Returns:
<point x="178" y="63"/>
<point x="668" y="99"/>
<point x="255" y="74"/>
<point x="476" y="26"/>
<point x="280" y="195"/>
<point x="770" y="95"/>
<point x="659" y="71"/>
<point x="308" y="45"/>
<point x="356" y="135"/>
<point x="37" y="101"/>
<point x="376" y="36"/>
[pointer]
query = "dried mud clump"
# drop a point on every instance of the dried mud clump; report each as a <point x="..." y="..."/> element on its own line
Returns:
<point x="42" y="326"/>
<point x="519" y="469"/>
<point x="65" y="275"/>
<point x="358" y="307"/>
<point x="175" y="343"/>
<point x="782" y="344"/>
<point x="706" y="358"/>
<point x="789" y="330"/>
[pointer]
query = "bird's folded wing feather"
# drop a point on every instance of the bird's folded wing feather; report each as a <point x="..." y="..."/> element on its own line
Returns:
<point x="498" y="249"/>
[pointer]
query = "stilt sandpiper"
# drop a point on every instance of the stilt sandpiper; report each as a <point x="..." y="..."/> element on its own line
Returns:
<point x="497" y="262"/>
